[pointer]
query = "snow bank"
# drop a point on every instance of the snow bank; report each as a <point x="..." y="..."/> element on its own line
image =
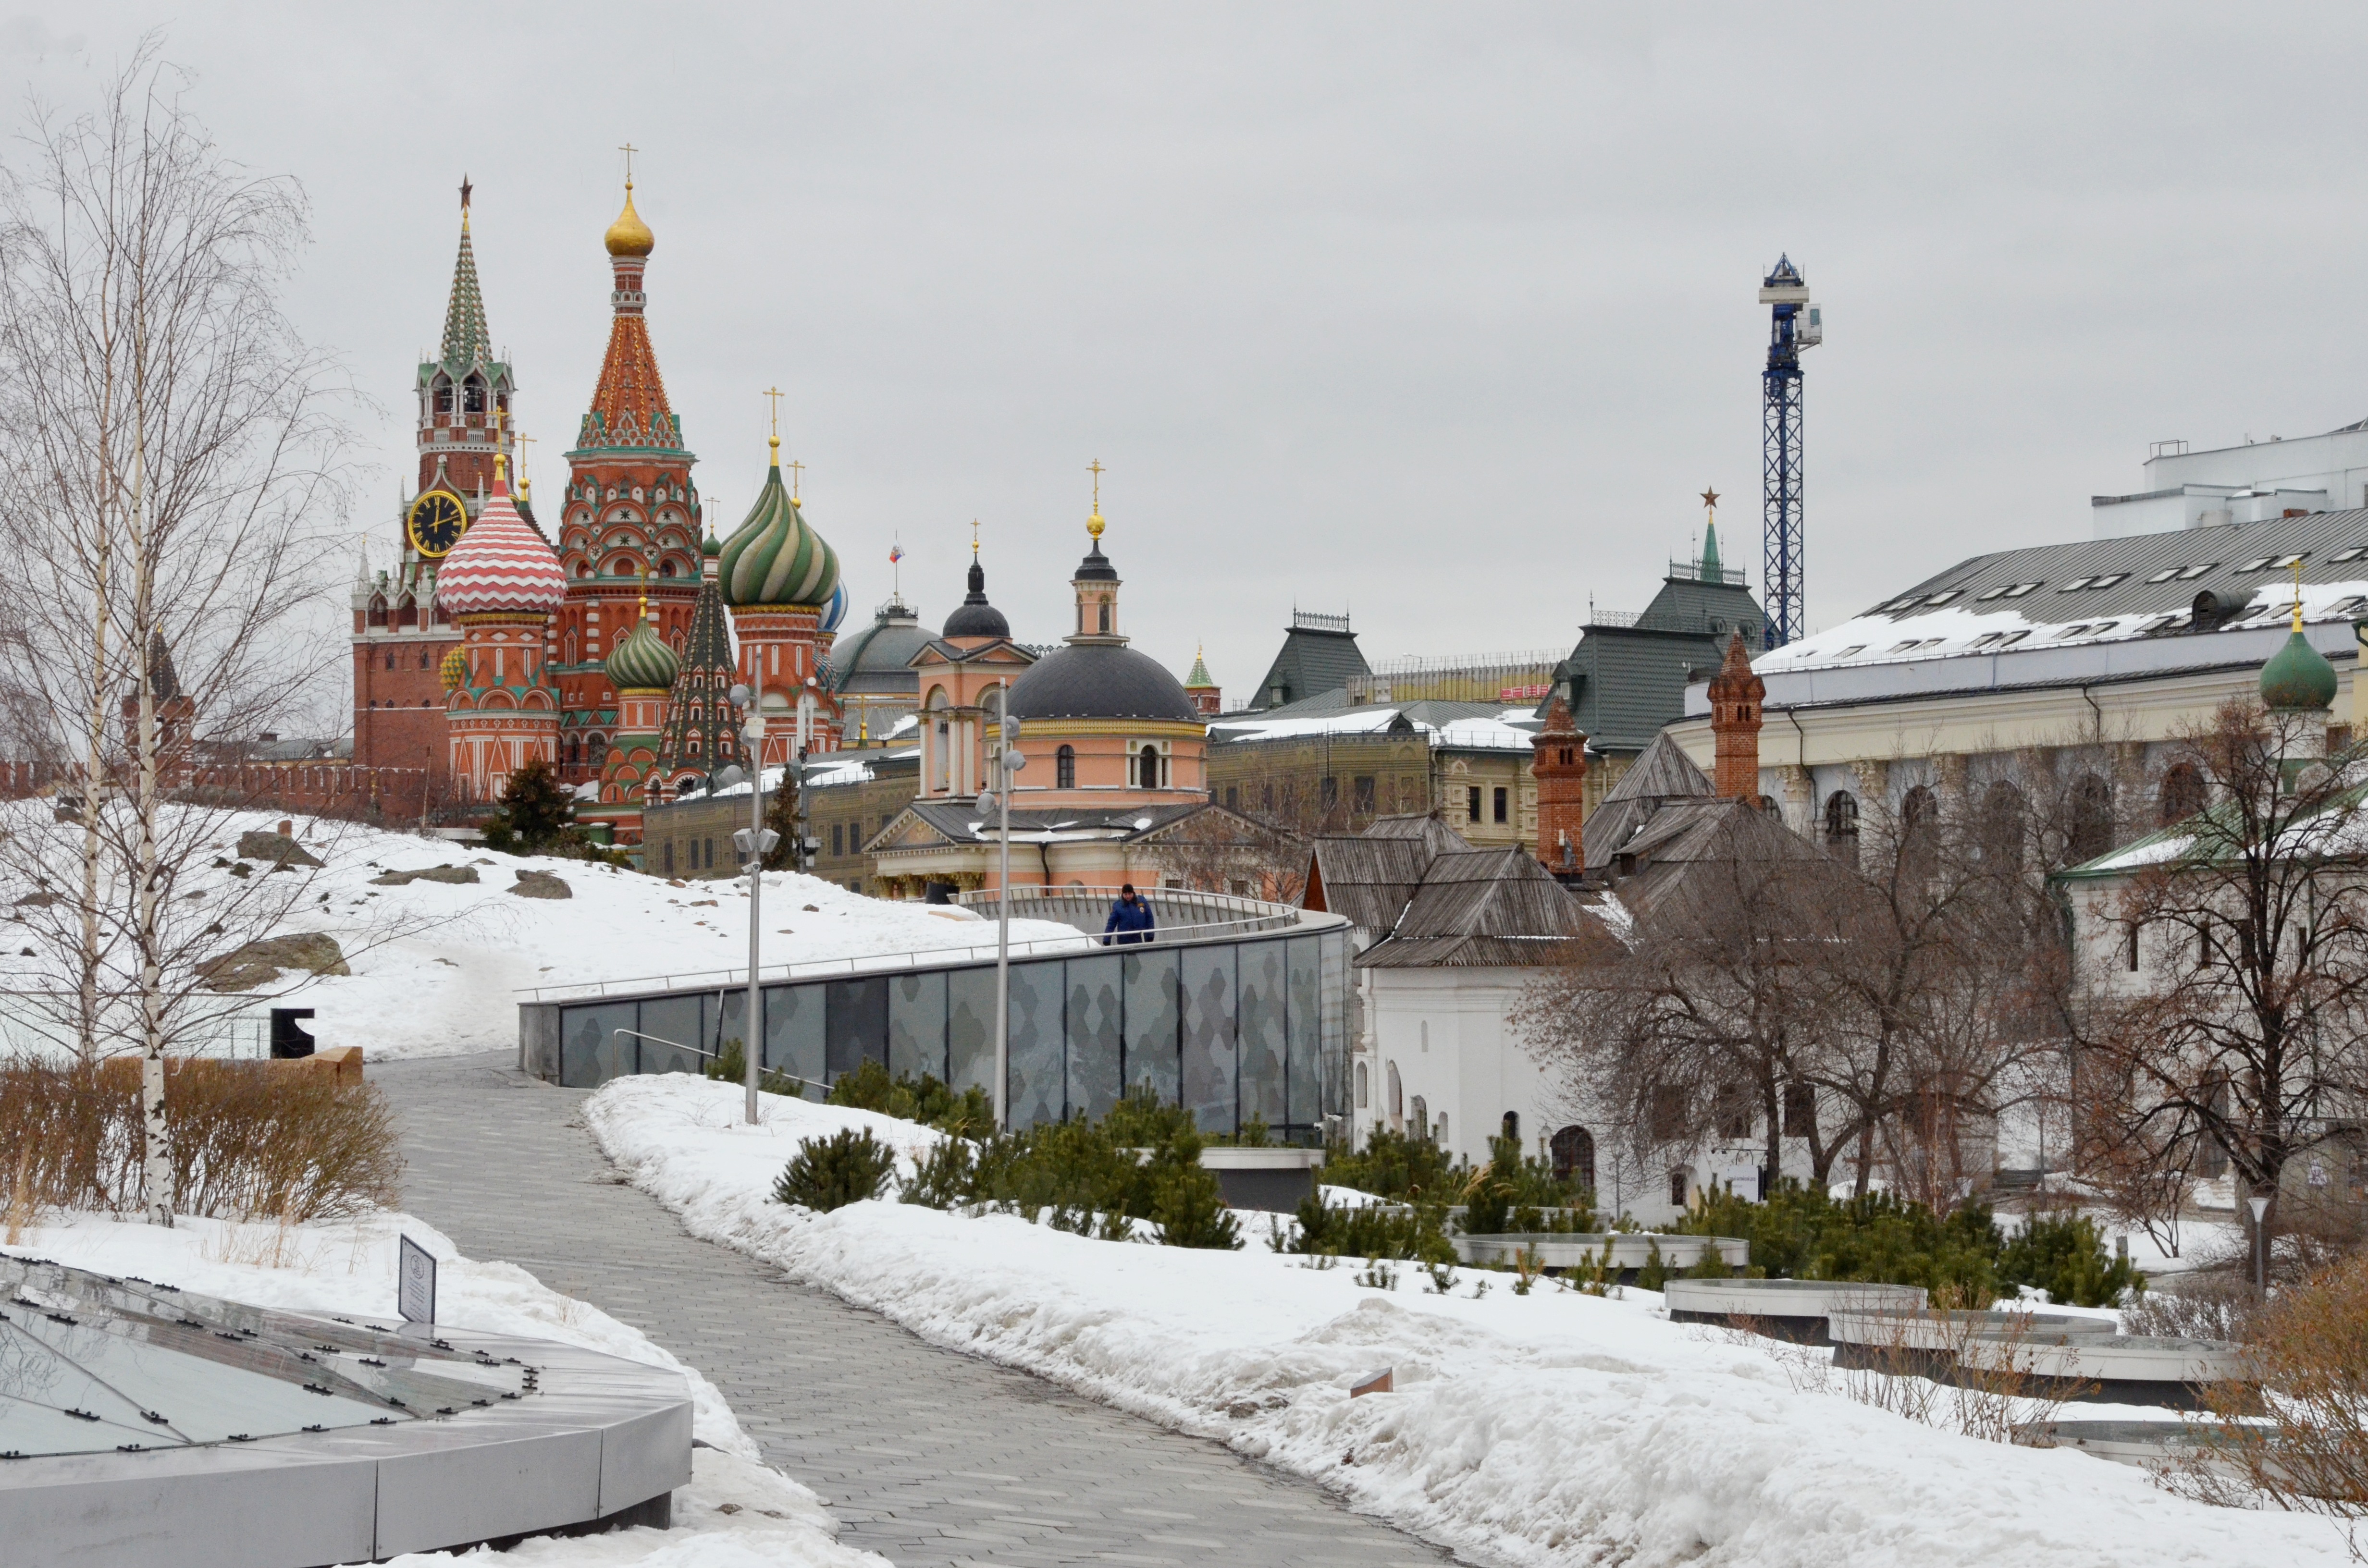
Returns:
<point x="1555" y="1427"/>
<point x="437" y="966"/>
<point x="736" y="1512"/>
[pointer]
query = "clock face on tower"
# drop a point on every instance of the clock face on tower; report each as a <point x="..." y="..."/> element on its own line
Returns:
<point x="435" y="522"/>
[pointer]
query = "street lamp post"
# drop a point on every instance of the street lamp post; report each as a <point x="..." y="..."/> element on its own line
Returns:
<point x="997" y="802"/>
<point x="754" y="843"/>
<point x="2260" y="1206"/>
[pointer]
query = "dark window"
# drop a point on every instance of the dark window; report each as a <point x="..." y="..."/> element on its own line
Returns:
<point x="2134" y="928"/>
<point x="1362" y="795"/>
<point x="1106" y="618"/>
<point x="1574" y="1157"/>
<point x="1471" y="803"/>
<point x="710" y="853"/>
<point x="1669" y="1112"/>
<point x="1147" y="768"/>
<point x="1498" y="808"/>
<point x="1800" y="1110"/>
<point x="1733" y="1113"/>
<point x="669" y="857"/>
<point x="472" y="396"/>
<point x="1513" y="1125"/>
<point x="838" y="838"/>
<point x="1065" y="768"/>
<point x="1841" y="825"/>
<point x="2182" y="793"/>
<point x="1677" y="1189"/>
<point x="443" y="397"/>
<point x="1234" y="803"/>
<point x="1999" y="831"/>
<point x="2092" y="819"/>
<point x="1421" y="1119"/>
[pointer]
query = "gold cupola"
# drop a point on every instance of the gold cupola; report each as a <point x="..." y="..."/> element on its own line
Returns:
<point x="629" y="235"/>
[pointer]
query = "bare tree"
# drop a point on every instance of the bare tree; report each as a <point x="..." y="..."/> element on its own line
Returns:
<point x="173" y="473"/>
<point x="2219" y="984"/>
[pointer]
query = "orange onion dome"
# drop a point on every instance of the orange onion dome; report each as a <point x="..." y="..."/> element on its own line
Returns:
<point x="500" y="564"/>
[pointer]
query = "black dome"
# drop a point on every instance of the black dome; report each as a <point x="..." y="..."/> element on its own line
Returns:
<point x="1099" y="680"/>
<point x="975" y="617"/>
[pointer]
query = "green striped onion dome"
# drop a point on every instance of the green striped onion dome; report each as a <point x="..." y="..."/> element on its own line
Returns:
<point x="642" y="662"/>
<point x="774" y="558"/>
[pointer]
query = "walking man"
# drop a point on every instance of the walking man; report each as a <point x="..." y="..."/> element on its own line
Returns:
<point x="1130" y="919"/>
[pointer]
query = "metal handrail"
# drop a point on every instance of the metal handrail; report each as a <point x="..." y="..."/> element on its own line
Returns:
<point x="868" y="963"/>
<point x="717" y="1056"/>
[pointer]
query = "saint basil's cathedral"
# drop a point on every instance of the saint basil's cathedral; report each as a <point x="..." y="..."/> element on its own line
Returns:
<point x="485" y="647"/>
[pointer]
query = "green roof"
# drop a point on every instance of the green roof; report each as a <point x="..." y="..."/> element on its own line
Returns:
<point x="1312" y="660"/>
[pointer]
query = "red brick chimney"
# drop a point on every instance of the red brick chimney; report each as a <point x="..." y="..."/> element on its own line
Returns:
<point x="1558" y="762"/>
<point x="1735" y="694"/>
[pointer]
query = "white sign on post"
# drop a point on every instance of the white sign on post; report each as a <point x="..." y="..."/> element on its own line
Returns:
<point x="415" y="1283"/>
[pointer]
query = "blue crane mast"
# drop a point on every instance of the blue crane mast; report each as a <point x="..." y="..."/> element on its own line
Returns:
<point x="1794" y="324"/>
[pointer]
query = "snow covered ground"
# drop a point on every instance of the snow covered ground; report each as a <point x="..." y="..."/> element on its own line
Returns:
<point x="736" y="1512"/>
<point x="1556" y="1428"/>
<point x="437" y="966"/>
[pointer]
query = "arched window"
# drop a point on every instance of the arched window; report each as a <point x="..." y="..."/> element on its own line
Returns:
<point x="1147" y="768"/>
<point x="1998" y="830"/>
<point x="1841" y="825"/>
<point x="2092" y="819"/>
<point x="1361" y="1088"/>
<point x="443" y="395"/>
<point x="1064" y="777"/>
<point x="472" y="395"/>
<point x="1106" y="618"/>
<point x="2182" y="794"/>
<point x="1513" y="1126"/>
<point x="377" y="614"/>
<point x="1573" y="1150"/>
<point x="1919" y="824"/>
<point x="1422" y="1119"/>
<point x="1397" y="1095"/>
<point x="425" y="661"/>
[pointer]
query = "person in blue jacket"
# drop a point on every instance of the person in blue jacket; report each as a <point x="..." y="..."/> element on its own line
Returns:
<point x="1130" y="919"/>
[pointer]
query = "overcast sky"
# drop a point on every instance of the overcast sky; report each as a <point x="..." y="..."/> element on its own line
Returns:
<point x="1441" y="314"/>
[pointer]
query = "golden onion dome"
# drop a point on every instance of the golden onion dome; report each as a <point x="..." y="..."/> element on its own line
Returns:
<point x="629" y="235"/>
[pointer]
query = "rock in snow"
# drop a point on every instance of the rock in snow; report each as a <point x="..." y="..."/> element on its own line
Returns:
<point x="276" y="848"/>
<point x="541" y="884"/>
<point x="459" y="874"/>
<point x="259" y="963"/>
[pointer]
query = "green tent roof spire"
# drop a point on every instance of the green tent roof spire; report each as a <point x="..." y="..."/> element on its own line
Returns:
<point x="466" y="339"/>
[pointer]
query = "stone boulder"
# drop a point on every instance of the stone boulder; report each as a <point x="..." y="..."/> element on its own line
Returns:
<point x="542" y="884"/>
<point x="259" y="963"/>
<point x="276" y="848"/>
<point x="432" y="874"/>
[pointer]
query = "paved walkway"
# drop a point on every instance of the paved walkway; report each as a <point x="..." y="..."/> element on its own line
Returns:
<point x="927" y="1456"/>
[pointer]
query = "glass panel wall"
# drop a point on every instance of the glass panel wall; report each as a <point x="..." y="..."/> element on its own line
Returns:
<point x="590" y="1051"/>
<point x="1305" y="1057"/>
<point x="1261" y="1021"/>
<point x="970" y="1028"/>
<point x="1205" y="977"/>
<point x="1095" y="998"/>
<point x="1154" y="1023"/>
<point x="1035" y="1045"/>
<point x="676" y="1021"/>
<point x="917" y="1025"/>
<point x="793" y="1036"/>
<point x="857" y="1027"/>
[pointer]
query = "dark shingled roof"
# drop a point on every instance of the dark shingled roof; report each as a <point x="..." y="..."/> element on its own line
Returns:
<point x="1312" y="661"/>
<point x="1626" y="682"/>
<point x="1660" y="775"/>
<point x="1486" y="907"/>
<point x="975" y="617"/>
<point x="1367" y="881"/>
<point x="1100" y="680"/>
<point x="1684" y="838"/>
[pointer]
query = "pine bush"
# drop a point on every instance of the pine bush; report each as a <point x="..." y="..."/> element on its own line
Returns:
<point x="2064" y="1255"/>
<point x="1800" y="1233"/>
<point x="1412" y="1234"/>
<point x="846" y="1168"/>
<point x="948" y="1176"/>
<point x="969" y="1114"/>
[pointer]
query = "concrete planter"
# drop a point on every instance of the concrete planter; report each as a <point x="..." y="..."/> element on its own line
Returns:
<point x="1269" y="1181"/>
<point x="2124" y="1369"/>
<point x="1782" y="1308"/>
<point x="2147" y="1443"/>
<point x="1624" y="1252"/>
<point x="1925" y="1344"/>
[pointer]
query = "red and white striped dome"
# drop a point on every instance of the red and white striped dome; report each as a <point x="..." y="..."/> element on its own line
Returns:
<point x="501" y="563"/>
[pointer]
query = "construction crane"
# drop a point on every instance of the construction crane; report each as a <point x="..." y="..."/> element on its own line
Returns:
<point x="1794" y="324"/>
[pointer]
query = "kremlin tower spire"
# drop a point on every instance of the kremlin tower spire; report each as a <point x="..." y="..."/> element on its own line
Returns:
<point x="630" y="518"/>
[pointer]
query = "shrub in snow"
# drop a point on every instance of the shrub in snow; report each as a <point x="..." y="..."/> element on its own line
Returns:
<point x="1412" y="1233"/>
<point x="947" y="1175"/>
<point x="848" y="1167"/>
<point x="2065" y="1256"/>
<point x="1393" y="1164"/>
<point x="731" y="1066"/>
<point x="1512" y="1193"/>
<point x="1800" y="1233"/>
<point x="249" y="1138"/>
<point x="1379" y="1274"/>
<point x="537" y="816"/>
<point x="969" y="1114"/>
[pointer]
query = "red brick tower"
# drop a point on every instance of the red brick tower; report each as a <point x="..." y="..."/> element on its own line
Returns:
<point x="399" y="638"/>
<point x="1736" y="694"/>
<point x="630" y="509"/>
<point x="1208" y="701"/>
<point x="1558" y="762"/>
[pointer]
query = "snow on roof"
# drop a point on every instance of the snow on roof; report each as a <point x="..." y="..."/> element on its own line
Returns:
<point x="1471" y="734"/>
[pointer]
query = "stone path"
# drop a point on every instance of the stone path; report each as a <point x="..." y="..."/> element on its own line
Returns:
<point x="927" y="1456"/>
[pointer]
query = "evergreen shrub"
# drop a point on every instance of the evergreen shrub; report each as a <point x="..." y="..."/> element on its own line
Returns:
<point x="967" y="1114"/>
<point x="846" y="1168"/>
<point x="1412" y="1233"/>
<point x="731" y="1066"/>
<point x="2065" y="1256"/>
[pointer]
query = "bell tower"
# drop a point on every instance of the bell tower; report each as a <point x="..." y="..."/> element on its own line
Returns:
<point x="400" y="636"/>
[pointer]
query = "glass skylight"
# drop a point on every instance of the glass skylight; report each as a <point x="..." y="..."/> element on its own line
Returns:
<point x="2074" y="585"/>
<point x="2353" y="553"/>
<point x="1942" y="598"/>
<point x="2108" y="580"/>
<point x="2189" y="575"/>
<point x="2165" y="575"/>
<point x="2020" y="589"/>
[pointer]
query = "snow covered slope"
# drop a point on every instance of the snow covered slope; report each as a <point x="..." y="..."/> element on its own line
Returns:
<point x="437" y="966"/>
<point x="1551" y="1428"/>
